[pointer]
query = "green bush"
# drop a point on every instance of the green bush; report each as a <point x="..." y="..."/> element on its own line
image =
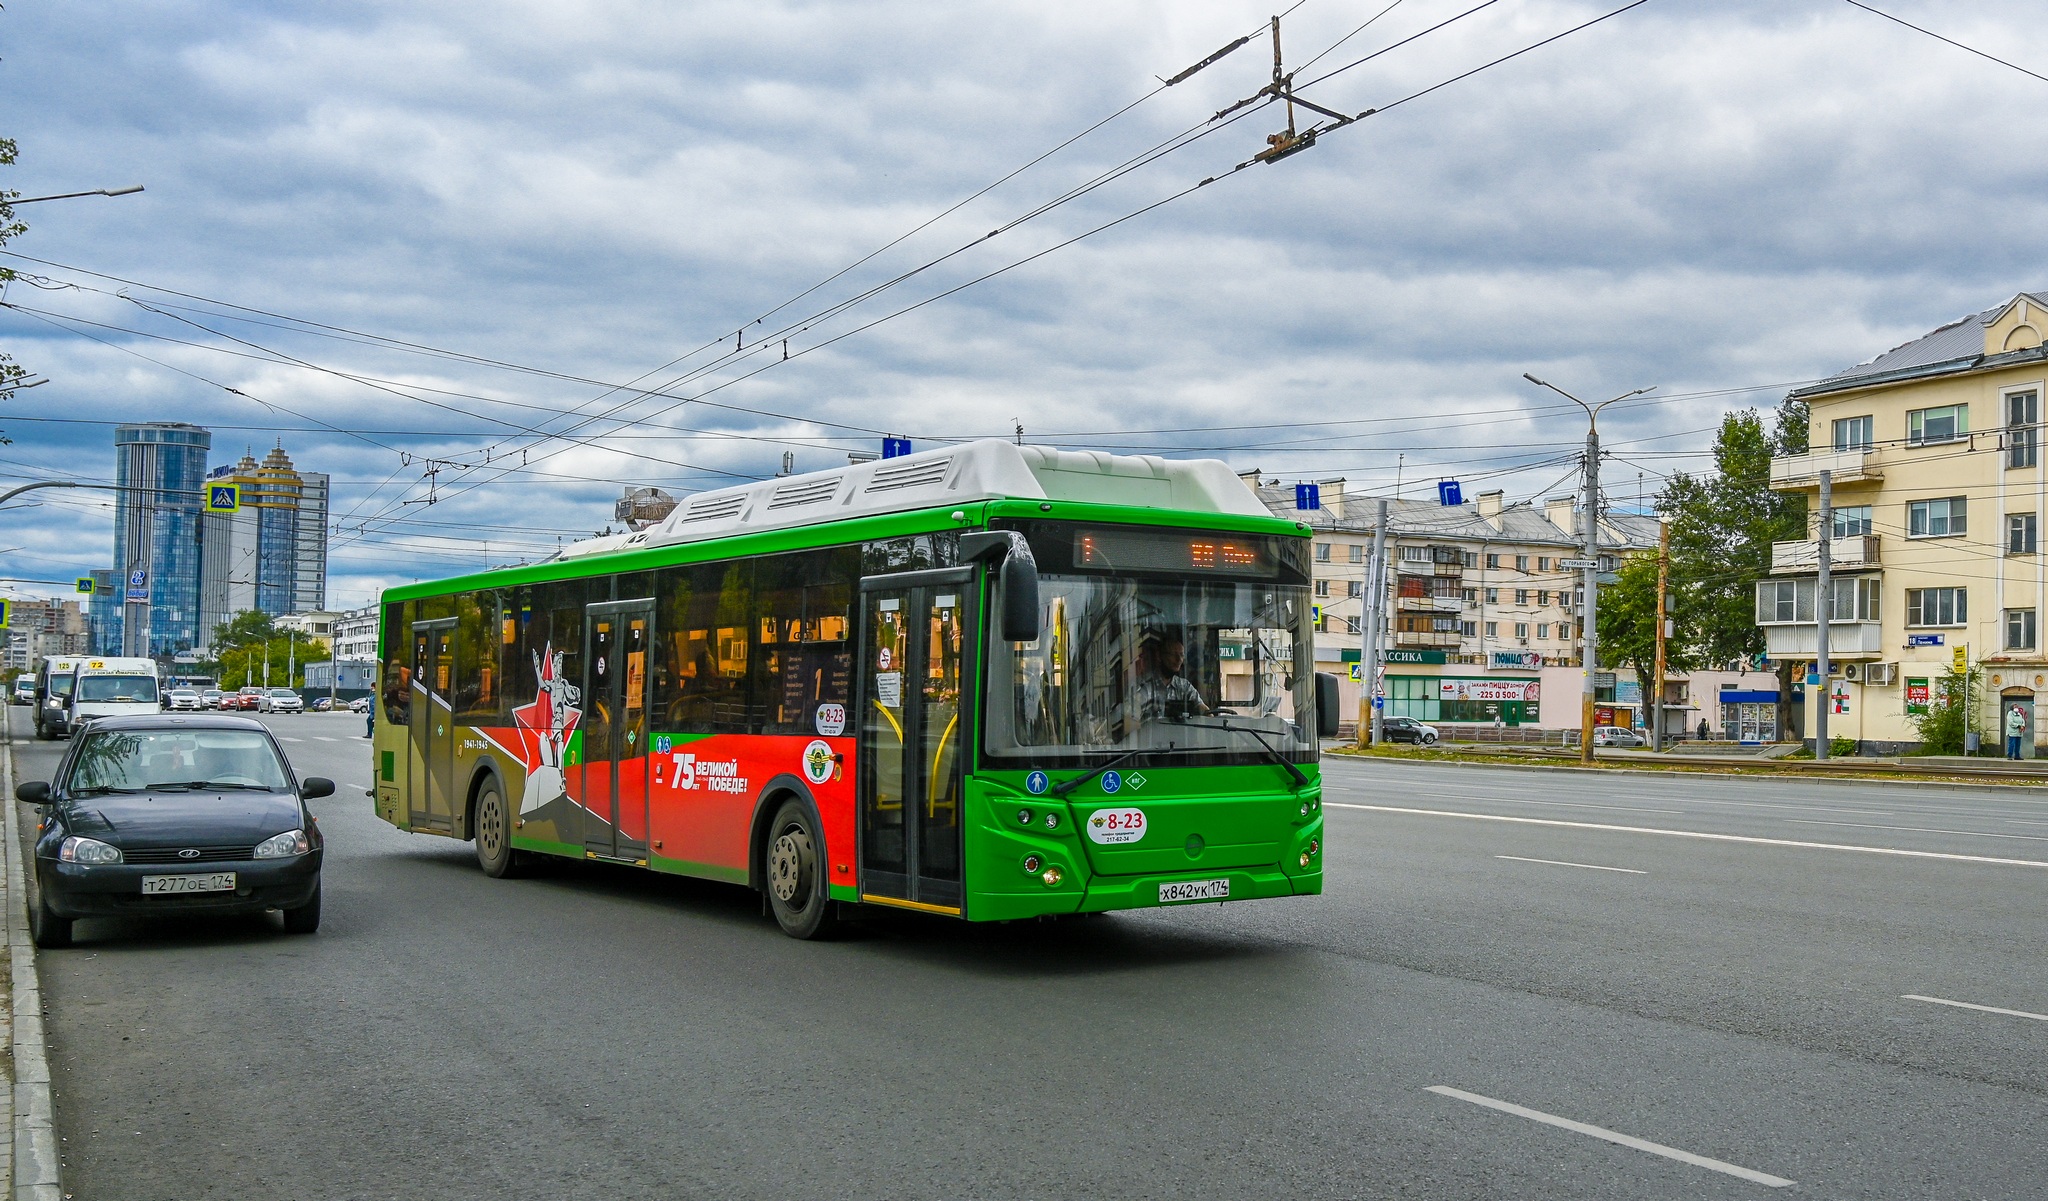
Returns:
<point x="1841" y="748"/>
<point x="1941" y="727"/>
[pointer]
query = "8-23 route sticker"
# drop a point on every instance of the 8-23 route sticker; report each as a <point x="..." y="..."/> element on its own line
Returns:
<point x="1113" y="826"/>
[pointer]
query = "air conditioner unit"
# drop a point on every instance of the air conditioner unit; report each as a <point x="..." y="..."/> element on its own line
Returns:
<point x="1880" y="675"/>
<point x="1852" y="672"/>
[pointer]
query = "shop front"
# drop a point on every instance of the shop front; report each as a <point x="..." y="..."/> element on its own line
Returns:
<point x="1749" y="716"/>
<point x="1471" y="700"/>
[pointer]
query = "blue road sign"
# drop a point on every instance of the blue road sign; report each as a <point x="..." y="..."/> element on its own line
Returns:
<point x="1448" y="492"/>
<point x="83" y="585"/>
<point x="895" y="448"/>
<point x="1112" y="781"/>
<point x="1036" y="783"/>
<point x="223" y="498"/>
<point x="1308" y="496"/>
<point x="1923" y="640"/>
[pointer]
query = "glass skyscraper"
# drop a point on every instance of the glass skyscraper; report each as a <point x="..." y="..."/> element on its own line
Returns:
<point x="160" y="468"/>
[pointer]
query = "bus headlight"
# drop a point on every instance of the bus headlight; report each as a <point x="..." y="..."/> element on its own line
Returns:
<point x="1051" y="877"/>
<point x="1023" y="817"/>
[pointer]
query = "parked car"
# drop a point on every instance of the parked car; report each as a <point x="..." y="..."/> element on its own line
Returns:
<point x="210" y="699"/>
<point x="321" y="704"/>
<point x="24" y="691"/>
<point x="1407" y="729"/>
<point x="280" y="700"/>
<point x="182" y="700"/>
<point x="168" y="813"/>
<point x="1616" y="736"/>
<point x="359" y="705"/>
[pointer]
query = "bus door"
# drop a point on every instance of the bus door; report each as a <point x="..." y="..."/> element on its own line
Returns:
<point x="917" y="631"/>
<point x="617" y="638"/>
<point x="433" y="725"/>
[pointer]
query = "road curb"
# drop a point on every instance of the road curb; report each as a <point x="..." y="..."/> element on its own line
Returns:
<point x="35" y="1165"/>
<point x="1667" y="773"/>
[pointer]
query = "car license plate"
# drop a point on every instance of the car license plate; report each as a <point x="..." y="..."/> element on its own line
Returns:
<point x="1194" y="890"/>
<point x="210" y="882"/>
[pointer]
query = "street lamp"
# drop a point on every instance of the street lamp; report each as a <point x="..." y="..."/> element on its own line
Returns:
<point x="1590" y="560"/>
<point x="130" y="190"/>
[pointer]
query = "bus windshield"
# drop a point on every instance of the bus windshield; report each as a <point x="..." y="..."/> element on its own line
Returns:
<point x="1154" y="664"/>
<point x="116" y="688"/>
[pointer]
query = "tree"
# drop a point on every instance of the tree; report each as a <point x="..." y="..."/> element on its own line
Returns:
<point x="1941" y="726"/>
<point x="13" y="376"/>
<point x="286" y="655"/>
<point x="1722" y="527"/>
<point x="1628" y="624"/>
<point x="247" y="628"/>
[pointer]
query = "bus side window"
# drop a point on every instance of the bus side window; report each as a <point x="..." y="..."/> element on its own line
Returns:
<point x="398" y="620"/>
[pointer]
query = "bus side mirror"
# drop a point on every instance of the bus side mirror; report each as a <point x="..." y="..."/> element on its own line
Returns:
<point x="1019" y="578"/>
<point x="1329" y="705"/>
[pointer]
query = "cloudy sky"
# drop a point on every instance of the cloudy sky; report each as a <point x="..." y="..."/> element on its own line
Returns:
<point x="496" y="256"/>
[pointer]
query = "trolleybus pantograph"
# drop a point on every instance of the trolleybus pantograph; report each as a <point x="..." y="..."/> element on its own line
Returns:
<point x="990" y="682"/>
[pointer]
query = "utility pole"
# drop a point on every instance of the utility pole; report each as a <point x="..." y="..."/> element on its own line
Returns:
<point x="1378" y="587"/>
<point x="1823" y="609"/>
<point x="1663" y="621"/>
<point x="1590" y="564"/>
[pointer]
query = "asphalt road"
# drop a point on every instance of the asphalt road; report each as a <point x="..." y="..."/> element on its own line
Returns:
<point x="609" y="1034"/>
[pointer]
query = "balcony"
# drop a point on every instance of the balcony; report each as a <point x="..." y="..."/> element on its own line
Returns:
<point x="1436" y="640"/>
<point x="1430" y="604"/>
<point x="1843" y="553"/>
<point x="1846" y="640"/>
<point x="1792" y="473"/>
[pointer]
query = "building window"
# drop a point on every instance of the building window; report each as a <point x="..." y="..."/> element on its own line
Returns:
<point x="1543" y="596"/>
<point x="2019" y="629"/>
<point x="1322" y="552"/>
<point x="1786" y="602"/>
<point x="2019" y="533"/>
<point x="1491" y="627"/>
<point x="1471" y="596"/>
<point x="1522" y="629"/>
<point x="1855" y="433"/>
<point x="1937" y="518"/>
<point x="1493" y="561"/>
<point x="1322" y="587"/>
<point x="1351" y="625"/>
<point x="2023" y="428"/>
<point x="1493" y="596"/>
<point x="1358" y="552"/>
<point x="1415" y="554"/>
<point x="1468" y="628"/>
<point x="1852" y="521"/>
<point x="1937" y="606"/>
<point x="1543" y="631"/>
<point x="1521" y="596"/>
<point x="1543" y="562"/>
<point x="1469" y="558"/>
<point x="1925" y="427"/>
<point x="1521" y="562"/>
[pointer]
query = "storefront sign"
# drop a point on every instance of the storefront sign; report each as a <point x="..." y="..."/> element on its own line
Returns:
<point x="1487" y="690"/>
<point x="1417" y="657"/>
<point x="1515" y="660"/>
<point x="1916" y="694"/>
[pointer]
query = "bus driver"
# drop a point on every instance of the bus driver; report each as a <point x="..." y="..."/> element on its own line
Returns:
<point x="1164" y="694"/>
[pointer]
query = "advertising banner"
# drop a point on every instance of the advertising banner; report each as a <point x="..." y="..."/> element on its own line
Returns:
<point x="1487" y="690"/>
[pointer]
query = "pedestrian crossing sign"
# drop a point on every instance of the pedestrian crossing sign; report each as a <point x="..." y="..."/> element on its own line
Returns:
<point x="83" y="585"/>
<point x="223" y="498"/>
<point x="6" y="613"/>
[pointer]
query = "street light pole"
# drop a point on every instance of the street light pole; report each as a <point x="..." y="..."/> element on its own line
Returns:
<point x="1823" y="611"/>
<point x="1589" y="612"/>
<point x="129" y="190"/>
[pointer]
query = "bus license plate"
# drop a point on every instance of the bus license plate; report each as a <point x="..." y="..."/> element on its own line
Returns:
<point x="1194" y="890"/>
<point x="210" y="882"/>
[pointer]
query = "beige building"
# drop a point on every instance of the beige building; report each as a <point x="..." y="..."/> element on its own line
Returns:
<point x="1482" y="618"/>
<point x="1939" y="485"/>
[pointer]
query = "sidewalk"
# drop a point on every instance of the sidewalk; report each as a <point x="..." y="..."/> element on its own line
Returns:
<point x="29" y="1158"/>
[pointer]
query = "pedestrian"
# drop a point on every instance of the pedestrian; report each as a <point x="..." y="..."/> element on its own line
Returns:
<point x="1703" y="729"/>
<point x="2015" y="726"/>
<point x="370" y="719"/>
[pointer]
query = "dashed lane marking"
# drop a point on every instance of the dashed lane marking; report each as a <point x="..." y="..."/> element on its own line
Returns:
<point x="1566" y="863"/>
<point x="1699" y="834"/>
<point x="1614" y="1136"/>
<point x="2011" y="1013"/>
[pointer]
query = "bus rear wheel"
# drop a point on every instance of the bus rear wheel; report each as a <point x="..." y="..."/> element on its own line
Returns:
<point x="493" y="830"/>
<point x="792" y="867"/>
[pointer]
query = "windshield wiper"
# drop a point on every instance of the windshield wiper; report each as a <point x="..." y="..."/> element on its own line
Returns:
<point x="208" y="785"/>
<point x="102" y="789"/>
<point x="1300" y="778"/>
<point x="1065" y="787"/>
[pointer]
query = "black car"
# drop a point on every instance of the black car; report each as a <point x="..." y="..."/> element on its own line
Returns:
<point x="1407" y="729"/>
<point x="174" y="814"/>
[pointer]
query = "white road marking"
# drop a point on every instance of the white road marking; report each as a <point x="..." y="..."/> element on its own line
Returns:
<point x="1807" y="821"/>
<point x="1699" y="834"/>
<point x="286" y="738"/>
<point x="2013" y="1013"/>
<point x="1582" y="805"/>
<point x="324" y="738"/>
<point x="1614" y="1136"/>
<point x="1563" y="863"/>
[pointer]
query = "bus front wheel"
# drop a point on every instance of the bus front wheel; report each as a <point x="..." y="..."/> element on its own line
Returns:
<point x="792" y="867"/>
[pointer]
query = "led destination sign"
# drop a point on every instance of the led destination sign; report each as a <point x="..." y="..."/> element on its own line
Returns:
<point x="1149" y="550"/>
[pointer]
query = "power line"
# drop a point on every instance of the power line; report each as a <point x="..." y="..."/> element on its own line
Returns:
<point x="1939" y="38"/>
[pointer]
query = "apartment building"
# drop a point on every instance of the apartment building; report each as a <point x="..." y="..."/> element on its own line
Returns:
<point x="1939" y="485"/>
<point x="39" y="629"/>
<point x="1482" y="616"/>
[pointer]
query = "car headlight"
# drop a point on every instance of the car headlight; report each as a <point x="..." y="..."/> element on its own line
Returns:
<point x="284" y="846"/>
<point x="87" y="850"/>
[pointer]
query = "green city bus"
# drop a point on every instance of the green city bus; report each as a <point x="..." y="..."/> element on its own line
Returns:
<point x="990" y="682"/>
